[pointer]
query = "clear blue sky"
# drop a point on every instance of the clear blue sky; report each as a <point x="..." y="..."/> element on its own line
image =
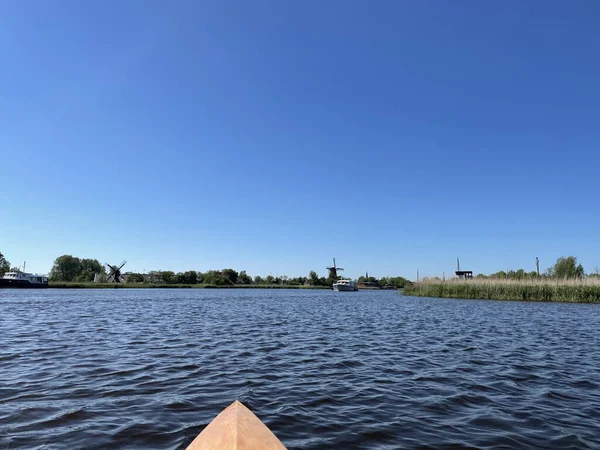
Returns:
<point x="273" y="136"/>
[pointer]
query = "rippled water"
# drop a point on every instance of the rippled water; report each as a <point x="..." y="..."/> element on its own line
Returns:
<point x="150" y="368"/>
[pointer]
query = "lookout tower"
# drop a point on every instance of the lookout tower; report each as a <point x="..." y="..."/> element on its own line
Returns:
<point x="462" y="274"/>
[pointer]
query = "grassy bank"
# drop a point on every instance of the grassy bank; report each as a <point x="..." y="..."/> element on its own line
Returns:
<point x="544" y="290"/>
<point x="75" y="285"/>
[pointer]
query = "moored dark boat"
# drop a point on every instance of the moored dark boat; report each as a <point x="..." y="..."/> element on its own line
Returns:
<point x="23" y="280"/>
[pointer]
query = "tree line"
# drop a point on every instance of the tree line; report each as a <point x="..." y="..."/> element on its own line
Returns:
<point x="68" y="268"/>
<point x="566" y="267"/>
<point x="4" y="265"/>
<point x="231" y="277"/>
<point x="224" y="277"/>
<point x="394" y="282"/>
<point x="72" y="268"/>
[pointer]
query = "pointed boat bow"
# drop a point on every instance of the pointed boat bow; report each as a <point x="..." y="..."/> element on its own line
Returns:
<point x="236" y="428"/>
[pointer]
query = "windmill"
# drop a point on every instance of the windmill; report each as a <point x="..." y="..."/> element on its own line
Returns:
<point x="115" y="275"/>
<point x="333" y="271"/>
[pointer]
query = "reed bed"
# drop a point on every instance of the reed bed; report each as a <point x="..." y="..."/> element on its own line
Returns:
<point x="586" y="290"/>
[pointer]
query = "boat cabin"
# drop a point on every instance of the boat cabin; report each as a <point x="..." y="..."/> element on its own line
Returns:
<point x="26" y="277"/>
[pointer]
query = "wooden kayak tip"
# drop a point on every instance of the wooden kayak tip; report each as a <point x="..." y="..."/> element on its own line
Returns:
<point x="236" y="428"/>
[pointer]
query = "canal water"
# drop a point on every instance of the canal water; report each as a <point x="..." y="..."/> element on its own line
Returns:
<point x="148" y="369"/>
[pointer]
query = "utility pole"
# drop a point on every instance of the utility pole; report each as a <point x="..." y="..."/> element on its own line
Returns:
<point x="537" y="265"/>
<point x="457" y="265"/>
<point x="417" y="275"/>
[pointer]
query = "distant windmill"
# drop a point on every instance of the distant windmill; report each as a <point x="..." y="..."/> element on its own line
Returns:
<point x="333" y="271"/>
<point x="115" y="275"/>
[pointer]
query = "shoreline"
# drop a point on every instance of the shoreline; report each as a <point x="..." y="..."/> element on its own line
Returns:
<point x="75" y="285"/>
<point x="549" y="290"/>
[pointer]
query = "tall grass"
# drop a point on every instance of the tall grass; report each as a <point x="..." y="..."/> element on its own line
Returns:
<point x="585" y="290"/>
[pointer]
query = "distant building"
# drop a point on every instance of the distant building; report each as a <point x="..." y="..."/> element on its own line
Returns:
<point x="462" y="274"/>
<point x="368" y="284"/>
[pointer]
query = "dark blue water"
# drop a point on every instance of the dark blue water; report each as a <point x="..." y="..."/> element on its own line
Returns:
<point x="150" y="368"/>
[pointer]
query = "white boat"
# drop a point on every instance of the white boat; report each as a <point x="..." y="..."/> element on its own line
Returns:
<point x="23" y="280"/>
<point x="345" y="285"/>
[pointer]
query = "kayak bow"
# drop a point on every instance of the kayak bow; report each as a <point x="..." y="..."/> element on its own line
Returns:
<point x="236" y="428"/>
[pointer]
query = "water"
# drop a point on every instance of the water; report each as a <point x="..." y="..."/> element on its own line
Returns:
<point x="149" y="368"/>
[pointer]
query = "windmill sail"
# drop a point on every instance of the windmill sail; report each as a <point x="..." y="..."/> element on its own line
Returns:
<point x="114" y="273"/>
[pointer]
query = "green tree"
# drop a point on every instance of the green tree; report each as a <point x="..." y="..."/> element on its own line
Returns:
<point x="566" y="267"/>
<point x="88" y="268"/>
<point x="215" y="277"/>
<point x="230" y="275"/>
<point x="4" y="265"/>
<point x="168" y="276"/>
<point x="313" y="277"/>
<point x="189" y="277"/>
<point x="161" y="276"/>
<point x="211" y="277"/>
<point x="501" y="275"/>
<point x="362" y="279"/>
<point x="298" y="281"/>
<point x="244" y="278"/>
<point x="154" y="277"/>
<point x="135" y="278"/>
<point x="258" y="280"/>
<point x="516" y="274"/>
<point x="396" y="282"/>
<point x="65" y="268"/>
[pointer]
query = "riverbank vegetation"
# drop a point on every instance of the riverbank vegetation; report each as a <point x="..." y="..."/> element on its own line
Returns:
<point x="566" y="267"/>
<point x="78" y="285"/>
<point x="565" y="281"/>
<point x="583" y="290"/>
<point x="4" y="265"/>
<point x="73" y="272"/>
<point x="384" y="282"/>
<point x="70" y="269"/>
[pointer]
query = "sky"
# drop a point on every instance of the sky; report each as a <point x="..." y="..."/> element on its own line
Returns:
<point x="272" y="136"/>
